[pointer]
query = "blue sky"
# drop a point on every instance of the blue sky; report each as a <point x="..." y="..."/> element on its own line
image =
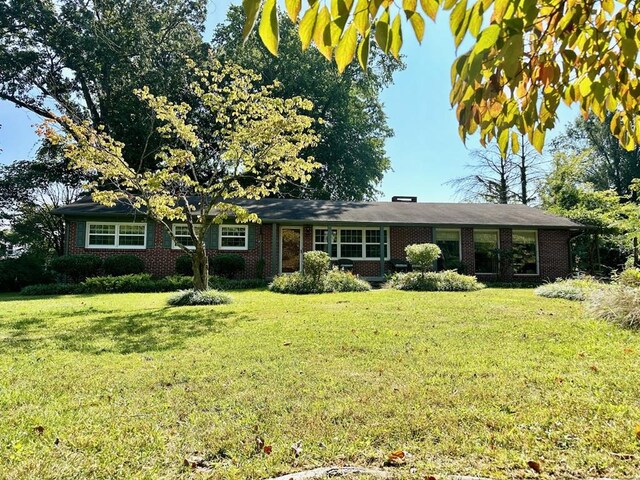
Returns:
<point x="426" y="150"/>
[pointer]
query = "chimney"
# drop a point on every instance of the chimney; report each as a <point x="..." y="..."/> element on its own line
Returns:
<point x="402" y="198"/>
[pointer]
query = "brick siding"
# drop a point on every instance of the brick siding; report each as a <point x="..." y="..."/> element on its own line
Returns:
<point x="553" y="248"/>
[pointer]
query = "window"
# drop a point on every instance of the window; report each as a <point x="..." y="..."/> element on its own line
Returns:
<point x="321" y="239"/>
<point x="486" y="246"/>
<point x="233" y="237"/>
<point x="181" y="233"/>
<point x="353" y="243"/>
<point x="449" y="243"/>
<point x="117" y="235"/>
<point x="525" y="252"/>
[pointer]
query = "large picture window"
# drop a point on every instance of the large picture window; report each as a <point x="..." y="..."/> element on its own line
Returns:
<point x="486" y="250"/>
<point x="352" y="243"/>
<point x="116" y="235"/>
<point x="449" y="242"/>
<point x="525" y="252"/>
<point x="233" y="237"/>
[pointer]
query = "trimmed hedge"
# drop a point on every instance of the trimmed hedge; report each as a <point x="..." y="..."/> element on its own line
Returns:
<point x="447" y="281"/>
<point x="184" y="265"/>
<point x="76" y="267"/>
<point x="51" y="289"/>
<point x="117" y="265"/>
<point x="227" y="264"/>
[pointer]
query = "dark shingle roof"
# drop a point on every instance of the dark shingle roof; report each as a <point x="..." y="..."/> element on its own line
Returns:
<point x="389" y="213"/>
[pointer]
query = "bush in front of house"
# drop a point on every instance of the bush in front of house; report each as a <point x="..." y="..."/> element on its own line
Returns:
<point x="227" y="265"/>
<point x="629" y="277"/>
<point x="316" y="265"/>
<point x="296" y="283"/>
<point x="184" y="265"/>
<point x="16" y="273"/>
<point x="51" y="289"/>
<point x="340" y="281"/>
<point x="117" y="265"/>
<point x="139" y="282"/>
<point x="422" y="256"/>
<point x="619" y="305"/>
<point x="576" y="289"/>
<point x="221" y="283"/>
<point x="195" y="297"/>
<point x="76" y="267"/>
<point x="446" y="281"/>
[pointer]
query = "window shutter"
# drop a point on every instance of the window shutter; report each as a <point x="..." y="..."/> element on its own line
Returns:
<point x="251" y="236"/>
<point x="151" y="234"/>
<point x="211" y="238"/>
<point x="166" y="238"/>
<point x="81" y="230"/>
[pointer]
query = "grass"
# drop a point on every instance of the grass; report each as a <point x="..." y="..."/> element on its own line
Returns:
<point x="468" y="383"/>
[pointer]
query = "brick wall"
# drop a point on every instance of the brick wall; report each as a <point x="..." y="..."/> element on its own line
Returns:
<point x="553" y="248"/>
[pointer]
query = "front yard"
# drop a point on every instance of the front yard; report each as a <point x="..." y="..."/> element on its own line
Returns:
<point x="121" y="386"/>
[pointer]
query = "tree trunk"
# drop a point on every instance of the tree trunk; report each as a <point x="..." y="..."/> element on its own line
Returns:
<point x="523" y="173"/>
<point x="200" y="264"/>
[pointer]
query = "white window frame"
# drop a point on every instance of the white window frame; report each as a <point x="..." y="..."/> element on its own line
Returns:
<point x="246" y="237"/>
<point x="335" y="240"/>
<point x="459" y="231"/>
<point x="537" y="253"/>
<point x="174" y="246"/>
<point x="117" y="245"/>
<point x="486" y="230"/>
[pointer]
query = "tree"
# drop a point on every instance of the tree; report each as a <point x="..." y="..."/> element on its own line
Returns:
<point x="83" y="59"/>
<point x="248" y="147"/>
<point x="607" y="164"/>
<point x="614" y="223"/>
<point x="526" y="56"/>
<point x="351" y="147"/>
<point x="501" y="178"/>
<point x="30" y="191"/>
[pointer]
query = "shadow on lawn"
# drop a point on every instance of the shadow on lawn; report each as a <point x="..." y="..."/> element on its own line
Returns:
<point x="149" y="330"/>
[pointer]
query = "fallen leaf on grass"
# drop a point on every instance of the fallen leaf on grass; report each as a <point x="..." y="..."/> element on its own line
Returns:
<point x="535" y="466"/>
<point x="638" y="431"/>
<point x="197" y="463"/>
<point x="594" y="368"/>
<point x="296" y="448"/>
<point x="395" y="459"/>
<point x="259" y="443"/>
<point x="286" y="344"/>
<point x="267" y="449"/>
<point x="39" y="429"/>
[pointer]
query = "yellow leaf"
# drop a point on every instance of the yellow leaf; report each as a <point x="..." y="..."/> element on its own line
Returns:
<point x="457" y="17"/>
<point x="417" y="23"/>
<point x="638" y="431"/>
<point x="361" y="16"/>
<point x="409" y="6"/>
<point x="268" y="28"/>
<point x="307" y="25"/>
<point x="515" y="143"/>
<point x="293" y="9"/>
<point x="346" y="48"/>
<point x="430" y="8"/>
<point x="320" y="30"/>
<point x="537" y="140"/>
<point x="396" y="37"/>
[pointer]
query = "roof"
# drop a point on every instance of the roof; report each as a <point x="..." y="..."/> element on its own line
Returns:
<point x="388" y="213"/>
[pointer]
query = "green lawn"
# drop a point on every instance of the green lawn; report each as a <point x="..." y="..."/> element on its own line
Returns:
<point x="467" y="383"/>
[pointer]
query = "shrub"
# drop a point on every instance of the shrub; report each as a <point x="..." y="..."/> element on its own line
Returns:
<point x="569" y="289"/>
<point x="16" y="273"/>
<point x="629" y="277"/>
<point x="140" y="282"/>
<point x="196" y="297"/>
<point x="227" y="264"/>
<point x="76" y="267"/>
<point x="341" y="281"/>
<point x="184" y="265"/>
<point x="316" y="265"/>
<point x="221" y="283"/>
<point x="422" y="255"/>
<point x="619" y="305"/>
<point x="123" y="265"/>
<point x="447" y="281"/>
<point x="51" y="289"/>
<point x="297" y="283"/>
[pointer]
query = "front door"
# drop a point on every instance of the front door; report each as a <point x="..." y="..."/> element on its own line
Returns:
<point x="290" y="249"/>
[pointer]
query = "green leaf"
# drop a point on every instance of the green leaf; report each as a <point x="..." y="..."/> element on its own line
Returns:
<point x="293" y="9"/>
<point x="382" y="32"/>
<point x="457" y="18"/>
<point x="488" y="38"/>
<point x="363" y="52"/>
<point x="396" y="37"/>
<point x="346" y="48"/>
<point x="307" y="25"/>
<point x="268" y="28"/>
<point x="251" y="8"/>
<point x="417" y="23"/>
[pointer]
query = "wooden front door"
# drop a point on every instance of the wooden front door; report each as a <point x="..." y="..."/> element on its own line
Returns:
<point x="290" y="249"/>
